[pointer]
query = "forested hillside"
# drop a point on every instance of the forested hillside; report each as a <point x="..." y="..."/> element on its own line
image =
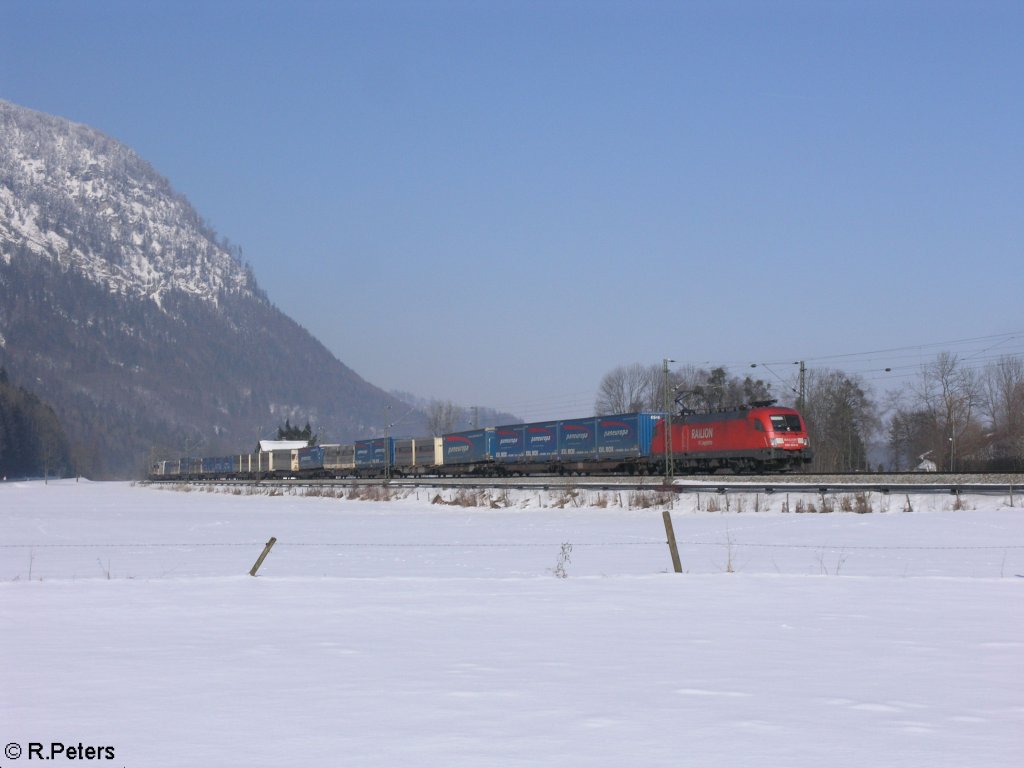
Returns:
<point x="32" y="441"/>
<point x="140" y="326"/>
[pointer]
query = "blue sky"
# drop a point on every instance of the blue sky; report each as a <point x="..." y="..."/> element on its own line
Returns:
<point x="497" y="203"/>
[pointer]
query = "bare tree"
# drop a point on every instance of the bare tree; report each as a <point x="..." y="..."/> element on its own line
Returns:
<point x="950" y="394"/>
<point x="442" y="417"/>
<point x="1003" y="396"/>
<point x="841" y="417"/>
<point x="911" y="437"/>
<point x="636" y="387"/>
<point x="629" y="388"/>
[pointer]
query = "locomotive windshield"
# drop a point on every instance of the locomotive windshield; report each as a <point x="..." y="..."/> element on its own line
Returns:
<point x="785" y="423"/>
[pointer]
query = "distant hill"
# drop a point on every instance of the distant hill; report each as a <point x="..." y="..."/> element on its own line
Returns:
<point x="124" y="310"/>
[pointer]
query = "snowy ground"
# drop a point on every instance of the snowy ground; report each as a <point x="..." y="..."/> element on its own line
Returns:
<point x="418" y="634"/>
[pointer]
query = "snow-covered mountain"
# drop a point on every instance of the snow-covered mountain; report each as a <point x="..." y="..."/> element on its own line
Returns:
<point x="77" y="197"/>
<point x="127" y="312"/>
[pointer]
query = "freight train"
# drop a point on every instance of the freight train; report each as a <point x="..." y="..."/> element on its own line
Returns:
<point x="758" y="438"/>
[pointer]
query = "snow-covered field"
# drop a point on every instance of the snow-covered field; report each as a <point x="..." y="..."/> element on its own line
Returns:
<point x="417" y="634"/>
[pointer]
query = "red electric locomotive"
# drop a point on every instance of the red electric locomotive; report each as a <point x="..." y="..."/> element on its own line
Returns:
<point x="761" y="438"/>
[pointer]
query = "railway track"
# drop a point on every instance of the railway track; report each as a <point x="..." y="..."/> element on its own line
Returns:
<point x="886" y="483"/>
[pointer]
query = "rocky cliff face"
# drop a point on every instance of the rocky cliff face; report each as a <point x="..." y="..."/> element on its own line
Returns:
<point x="121" y="307"/>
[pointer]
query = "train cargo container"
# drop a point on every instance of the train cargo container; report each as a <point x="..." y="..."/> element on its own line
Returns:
<point x="217" y="466"/>
<point x="596" y="444"/>
<point x="281" y="460"/>
<point x="310" y="460"/>
<point x="245" y="464"/>
<point x="339" y="459"/>
<point x="428" y="452"/>
<point x="191" y="466"/>
<point x="577" y="439"/>
<point x="522" y="448"/>
<point x="374" y="456"/>
<point x="541" y="441"/>
<point x="405" y="455"/>
<point x="473" y="447"/>
<point x="415" y="455"/>
<point x="509" y="443"/>
<point x="276" y="462"/>
<point x="626" y="436"/>
<point x="591" y="444"/>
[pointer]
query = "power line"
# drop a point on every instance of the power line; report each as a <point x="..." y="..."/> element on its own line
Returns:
<point x="885" y="366"/>
<point x="892" y="364"/>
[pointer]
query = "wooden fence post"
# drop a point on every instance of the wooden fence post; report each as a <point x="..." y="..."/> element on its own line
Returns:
<point x="263" y="556"/>
<point x="673" y="547"/>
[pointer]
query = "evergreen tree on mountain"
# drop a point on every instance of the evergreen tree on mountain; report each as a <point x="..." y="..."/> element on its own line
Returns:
<point x="32" y="440"/>
<point x="288" y="432"/>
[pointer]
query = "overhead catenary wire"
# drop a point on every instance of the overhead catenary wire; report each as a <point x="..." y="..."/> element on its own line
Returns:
<point x="886" y="367"/>
<point x="894" y="365"/>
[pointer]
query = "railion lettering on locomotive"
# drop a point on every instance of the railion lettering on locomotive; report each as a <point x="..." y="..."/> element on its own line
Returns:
<point x="702" y="433"/>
